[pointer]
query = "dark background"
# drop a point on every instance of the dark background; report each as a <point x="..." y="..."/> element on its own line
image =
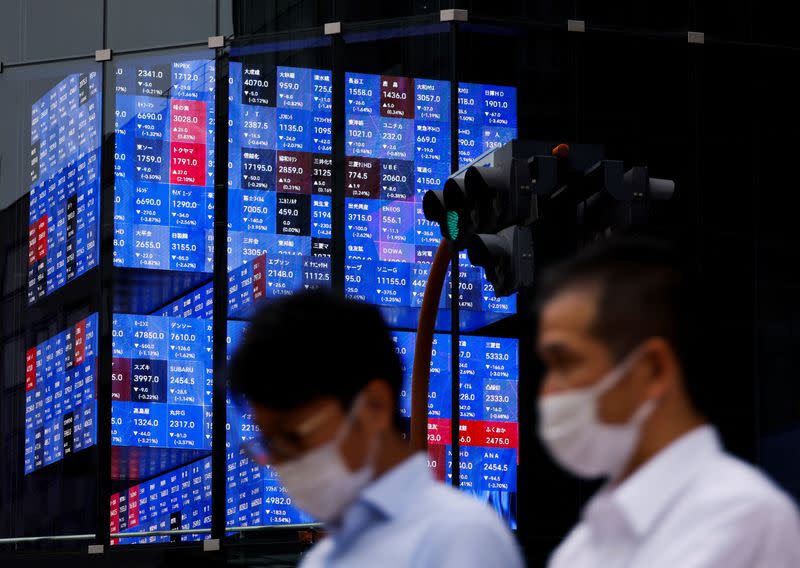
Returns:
<point x="720" y="118"/>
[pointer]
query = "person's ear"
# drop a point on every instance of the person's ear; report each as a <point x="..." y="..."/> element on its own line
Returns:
<point x="377" y="406"/>
<point x="661" y="367"/>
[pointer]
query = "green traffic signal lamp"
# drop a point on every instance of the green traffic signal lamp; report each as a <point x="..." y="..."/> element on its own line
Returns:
<point x="433" y="206"/>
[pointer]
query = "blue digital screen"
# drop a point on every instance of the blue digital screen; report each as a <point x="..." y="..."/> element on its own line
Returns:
<point x="196" y="304"/>
<point x="60" y="402"/>
<point x="487" y="119"/>
<point x="178" y="500"/>
<point x="254" y="495"/>
<point x="488" y="406"/>
<point x="397" y="144"/>
<point x="164" y="166"/>
<point x="162" y="382"/>
<point x="64" y="215"/>
<point x="280" y="180"/>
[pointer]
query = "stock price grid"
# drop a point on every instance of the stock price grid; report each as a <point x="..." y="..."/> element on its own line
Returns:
<point x="65" y="184"/>
<point x="398" y="146"/>
<point x="60" y="403"/>
<point x="488" y="401"/>
<point x="279" y="240"/>
<point x="280" y="181"/>
<point x="164" y="166"/>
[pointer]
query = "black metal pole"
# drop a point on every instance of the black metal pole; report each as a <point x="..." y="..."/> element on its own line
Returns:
<point x="106" y="309"/>
<point x="220" y="316"/>
<point x="455" y="385"/>
<point x="337" y="206"/>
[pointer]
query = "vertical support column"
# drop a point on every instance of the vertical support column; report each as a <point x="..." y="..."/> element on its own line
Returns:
<point x="337" y="207"/>
<point x="106" y="309"/>
<point x="455" y="385"/>
<point x="220" y="319"/>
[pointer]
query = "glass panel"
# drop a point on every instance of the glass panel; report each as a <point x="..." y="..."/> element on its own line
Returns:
<point x="11" y="31"/>
<point x="153" y="23"/>
<point x="662" y="16"/>
<point x="489" y="426"/>
<point x="244" y="18"/>
<point x="64" y="214"/>
<point x="162" y="371"/>
<point x="280" y="192"/>
<point x="254" y="496"/>
<point x="50" y="333"/>
<point x="364" y="10"/>
<point x="43" y="29"/>
<point x="398" y="145"/>
<point x="550" y="11"/>
<point x="280" y="180"/>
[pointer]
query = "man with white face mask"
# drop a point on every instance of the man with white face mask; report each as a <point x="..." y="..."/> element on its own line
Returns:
<point x="618" y="401"/>
<point x="323" y="380"/>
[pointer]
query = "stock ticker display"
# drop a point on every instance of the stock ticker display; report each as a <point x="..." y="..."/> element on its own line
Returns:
<point x="254" y="495"/>
<point x="64" y="215"/>
<point x="280" y="179"/>
<point x="280" y="172"/>
<point x="162" y="382"/>
<point x="488" y="405"/>
<point x="398" y="146"/>
<point x="180" y="499"/>
<point x="60" y="403"/>
<point x="164" y="166"/>
<point x="487" y="119"/>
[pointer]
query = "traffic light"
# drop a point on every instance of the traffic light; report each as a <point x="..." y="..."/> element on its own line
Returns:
<point x="487" y="208"/>
<point x="506" y="257"/>
<point x="531" y="196"/>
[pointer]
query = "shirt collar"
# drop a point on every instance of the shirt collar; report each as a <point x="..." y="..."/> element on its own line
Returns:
<point x="390" y="492"/>
<point x="646" y="494"/>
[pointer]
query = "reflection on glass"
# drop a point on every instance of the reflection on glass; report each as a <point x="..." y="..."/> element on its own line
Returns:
<point x="162" y="382"/>
<point x="162" y="392"/>
<point x="177" y="500"/>
<point x="64" y="217"/>
<point x="60" y="401"/>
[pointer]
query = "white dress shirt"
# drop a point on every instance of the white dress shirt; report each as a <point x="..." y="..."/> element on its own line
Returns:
<point x="405" y="518"/>
<point x="690" y="506"/>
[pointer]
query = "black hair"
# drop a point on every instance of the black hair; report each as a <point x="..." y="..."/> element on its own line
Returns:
<point x="312" y="344"/>
<point x="644" y="288"/>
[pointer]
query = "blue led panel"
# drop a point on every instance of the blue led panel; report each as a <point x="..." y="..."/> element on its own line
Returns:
<point x="60" y="403"/>
<point x="162" y="381"/>
<point x="64" y="216"/>
<point x="254" y="495"/>
<point x="397" y="144"/>
<point x="488" y="401"/>
<point x="164" y="166"/>
<point x="178" y="500"/>
<point x="487" y="119"/>
<point x="280" y="179"/>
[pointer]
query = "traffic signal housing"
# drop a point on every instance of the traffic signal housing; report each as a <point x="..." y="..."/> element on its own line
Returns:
<point x="531" y="196"/>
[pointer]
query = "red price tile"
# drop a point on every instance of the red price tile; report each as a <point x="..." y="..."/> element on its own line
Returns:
<point x="30" y="369"/>
<point x="188" y="121"/>
<point x="41" y="238"/>
<point x="439" y="431"/>
<point x="80" y="342"/>
<point x="259" y="277"/>
<point x="187" y="163"/>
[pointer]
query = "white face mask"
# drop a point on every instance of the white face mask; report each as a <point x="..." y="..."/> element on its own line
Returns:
<point x="319" y="481"/>
<point x="578" y="440"/>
